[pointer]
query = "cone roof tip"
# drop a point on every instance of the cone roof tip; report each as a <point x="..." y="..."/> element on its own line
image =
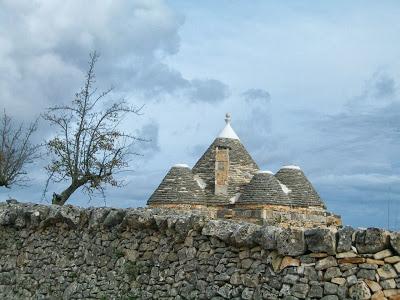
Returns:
<point x="264" y="172"/>
<point x="228" y="132"/>
<point x="293" y="167"/>
<point x="181" y="166"/>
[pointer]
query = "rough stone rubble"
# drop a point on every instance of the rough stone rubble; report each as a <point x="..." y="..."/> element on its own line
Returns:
<point x="51" y="252"/>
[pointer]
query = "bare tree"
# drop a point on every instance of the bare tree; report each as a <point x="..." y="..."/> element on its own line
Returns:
<point x="89" y="148"/>
<point x="16" y="151"/>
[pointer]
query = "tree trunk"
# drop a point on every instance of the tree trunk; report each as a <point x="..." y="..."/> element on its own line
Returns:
<point x="60" y="199"/>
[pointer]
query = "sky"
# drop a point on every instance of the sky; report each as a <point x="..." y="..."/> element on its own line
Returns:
<point x="315" y="84"/>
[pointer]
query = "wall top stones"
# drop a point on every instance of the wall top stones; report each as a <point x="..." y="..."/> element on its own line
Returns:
<point x="292" y="242"/>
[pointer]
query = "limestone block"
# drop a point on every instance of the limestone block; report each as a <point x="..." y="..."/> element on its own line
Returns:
<point x="289" y="261"/>
<point x="8" y="217"/>
<point x="360" y="291"/>
<point x="388" y="284"/>
<point x="392" y="259"/>
<point x="366" y="274"/>
<point x="235" y="279"/>
<point x="347" y="254"/>
<point x="318" y="255"/>
<point x="315" y="291"/>
<point x="387" y="272"/>
<point x="351" y="260"/>
<point x="344" y="239"/>
<point x="351" y="280"/>
<point x="290" y="278"/>
<point x="291" y="242"/>
<point x="247" y="293"/>
<point x="244" y="234"/>
<point x="330" y="288"/>
<point x="161" y="221"/>
<point x="390" y="293"/>
<point x="375" y="261"/>
<point x="300" y="290"/>
<point x="326" y="263"/>
<point x="138" y="220"/>
<point x="338" y="280"/>
<point x="219" y="229"/>
<point x="276" y="262"/>
<point x="371" y="240"/>
<point x="114" y="218"/>
<point x="382" y="254"/>
<point x="397" y="267"/>
<point x="332" y="272"/>
<point x="373" y="285"/>
<point x="68" y="214"/>
<point x="378" y="296"/>
<point x="368" y="266"/>
<point x="320" y="240"/>
<point x="268" y="237"/>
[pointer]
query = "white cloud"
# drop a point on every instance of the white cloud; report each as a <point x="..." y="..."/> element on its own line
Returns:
<point x="44" y="47"/>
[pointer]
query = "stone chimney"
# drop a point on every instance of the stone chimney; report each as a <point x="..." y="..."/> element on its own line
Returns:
<point x="221" y="170"/>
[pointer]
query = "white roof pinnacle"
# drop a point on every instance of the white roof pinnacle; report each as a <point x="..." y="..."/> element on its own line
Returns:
<point x="264" y="172"/>
<point x="291" y="167"/>
<point x="228" y="132"/>
<point x="181" y="166"/>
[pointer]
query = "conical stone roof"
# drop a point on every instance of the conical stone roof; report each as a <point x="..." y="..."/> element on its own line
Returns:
<point x="178" y="186"/>
<point x="241" y="168"/>
<point x="302" y="193"/>
<point x="264" y="188"/>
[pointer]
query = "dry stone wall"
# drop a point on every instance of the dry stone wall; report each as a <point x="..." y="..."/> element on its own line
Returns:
<point x="50" y="252"/>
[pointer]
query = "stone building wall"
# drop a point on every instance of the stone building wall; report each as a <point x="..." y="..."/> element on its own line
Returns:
<point x="276" y="215"/>
<point x="50" y="252"/>
<point x="283" y="215"/>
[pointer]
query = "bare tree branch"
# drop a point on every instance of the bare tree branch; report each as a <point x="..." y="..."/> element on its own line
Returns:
<point x="89" y="148"/>
<point x="16" y="151"/>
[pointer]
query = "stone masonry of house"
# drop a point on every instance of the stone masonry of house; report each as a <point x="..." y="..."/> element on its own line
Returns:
<point x="65" y="252"/>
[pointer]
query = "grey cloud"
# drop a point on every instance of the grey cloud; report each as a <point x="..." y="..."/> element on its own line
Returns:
<point x="158" y="78"/>
<point x="44" y="49"/>
<point x="363" y="122"/>
<point x="254" y="127"/>
<point x="359" y="149"/>
<point x="378" y="90"/>
<point x="382" y="85"/>
<point x="44" y="46"/>
<point x="208" y="90"/>
<point x="350" y="156"/>
<point x="256" y="95"/>
<point x="149" y="132"/>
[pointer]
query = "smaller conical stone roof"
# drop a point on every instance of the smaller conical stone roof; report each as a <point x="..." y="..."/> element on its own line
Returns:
<point x="264" y="188"/>
<point x="302" y="193"/>
<point x="178" y="186"/>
